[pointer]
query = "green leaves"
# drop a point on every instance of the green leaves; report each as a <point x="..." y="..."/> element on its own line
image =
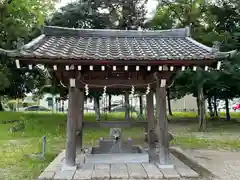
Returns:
<point x="20" y="19"/>
<point x="209" y="22"/>
<point x="101" y="14"/>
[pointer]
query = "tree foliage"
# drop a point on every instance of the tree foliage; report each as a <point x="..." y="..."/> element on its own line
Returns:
<point x="20" y="22"/>
<point x="210" y="22"/>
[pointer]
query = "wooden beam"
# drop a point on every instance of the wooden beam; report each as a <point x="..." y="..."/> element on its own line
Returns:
<point x="160" y="75"/>
<point x="120" y="84"/>
<point x="151" y="125"/>
<point x="72" y="117"/>
<point x="115" y="124"/>
<point x="117" y="83"/>
<point x="121" y="77"/>
<point x="162" y="124"/>
<point x="80" y="108"/>
<point x="133" y="62"/>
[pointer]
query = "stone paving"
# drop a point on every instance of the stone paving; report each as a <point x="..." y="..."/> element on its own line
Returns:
<point x="116" y="171"/>
<point x="225" y="165"/>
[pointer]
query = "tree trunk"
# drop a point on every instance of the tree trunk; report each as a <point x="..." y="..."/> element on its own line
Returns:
<point x="18" y="104"/>
<point x="109" y="103"/>
<point x="210" y="108"/>
<point x="215" y="106"/>
<point x="169" y="102"/>
<point x="62" y="105"/>
<point x="202" y="118"/>
<point x="198" y="106"/>
<point x="53" y="103"/>
<point x="126" y="98"/>
<point x="140" y="105"/>
<point x="1" y="106"/>
<point x="97" y="108"/>
<point x="228" y="117"/>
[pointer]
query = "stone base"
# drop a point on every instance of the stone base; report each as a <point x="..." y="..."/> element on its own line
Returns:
<point x="58" y="171"/>
<point x="117" y="158"/>
<point x="66" y="167"/>
<point x="165" y="166"/>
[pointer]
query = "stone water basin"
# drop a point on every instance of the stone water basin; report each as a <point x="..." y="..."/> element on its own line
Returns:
<point x="111" y="151"/>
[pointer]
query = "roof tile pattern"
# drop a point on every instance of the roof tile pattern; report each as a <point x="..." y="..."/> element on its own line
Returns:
<point x="65" y="43"/>
<point x="120" y="48"/>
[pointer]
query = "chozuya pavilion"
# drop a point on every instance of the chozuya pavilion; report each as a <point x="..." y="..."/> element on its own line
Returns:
<point x="108" y="60"/>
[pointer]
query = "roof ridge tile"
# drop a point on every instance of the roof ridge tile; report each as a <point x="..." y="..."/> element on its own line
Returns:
<point x="63" y="31"/>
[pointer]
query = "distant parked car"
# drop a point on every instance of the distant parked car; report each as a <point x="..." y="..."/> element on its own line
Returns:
<point x="121" y="108"/>
<point x="36" y="108"/>
<point x="87" y="109"/>
<point x="237" y="106"/>
<point x="106" y="108"/>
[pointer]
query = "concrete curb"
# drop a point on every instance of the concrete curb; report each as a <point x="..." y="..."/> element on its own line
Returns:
<point x="192" y="163"/>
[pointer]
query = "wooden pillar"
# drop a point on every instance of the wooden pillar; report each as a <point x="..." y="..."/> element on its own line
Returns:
<point x="72" y="117"/>
<point x="151" y="125"/>
<point x="80" y="117"/>
<point x="127" y="108"/>
<point x="162" y="123"/>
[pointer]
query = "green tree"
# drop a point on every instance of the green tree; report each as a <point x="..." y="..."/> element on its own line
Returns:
<point x="207" y="25"/>
<point x="20" y="22"/>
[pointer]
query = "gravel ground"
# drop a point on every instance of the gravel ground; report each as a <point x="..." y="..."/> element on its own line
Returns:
<point x="223" y="164"/>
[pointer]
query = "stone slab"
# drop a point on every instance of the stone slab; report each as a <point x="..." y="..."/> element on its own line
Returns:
<point x="136" y="171"/>
<point x="170" y="173"/>
<point x="119" y="171"/>
<point x="46" y="175"/>
<point x="182" y="169"/>
<point x="117" y="158"/>
<point x="66" y="167"/>
<point x="130" y="170"/>
<point x="61" y="156"/>
<point x="101" y="171"/>
<point x="152" y="171"/>
<point x="80" y="158"/>
<point x="55" y="165"/>
<point x="84" y="172"/>
<point x="64" y="175"/>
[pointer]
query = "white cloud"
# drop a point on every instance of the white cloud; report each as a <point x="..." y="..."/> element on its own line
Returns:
<point x="151" y="7"/>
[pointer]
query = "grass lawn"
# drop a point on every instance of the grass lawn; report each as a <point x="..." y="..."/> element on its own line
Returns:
<point x="15" y="147"/>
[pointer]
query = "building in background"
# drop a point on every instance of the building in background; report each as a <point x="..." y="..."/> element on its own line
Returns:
<point x="187" y="103"/>
<point x="53" y="102"/>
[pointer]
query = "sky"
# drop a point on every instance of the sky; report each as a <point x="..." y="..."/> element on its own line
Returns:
<point x="151" y="6"/>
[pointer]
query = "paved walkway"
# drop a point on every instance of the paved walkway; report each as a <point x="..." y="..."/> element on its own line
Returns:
<point x="225" y="165"/>
<point x="116" y="171"/>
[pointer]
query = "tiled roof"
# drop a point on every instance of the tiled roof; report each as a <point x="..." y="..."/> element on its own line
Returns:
<point x="66" y="43"/>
